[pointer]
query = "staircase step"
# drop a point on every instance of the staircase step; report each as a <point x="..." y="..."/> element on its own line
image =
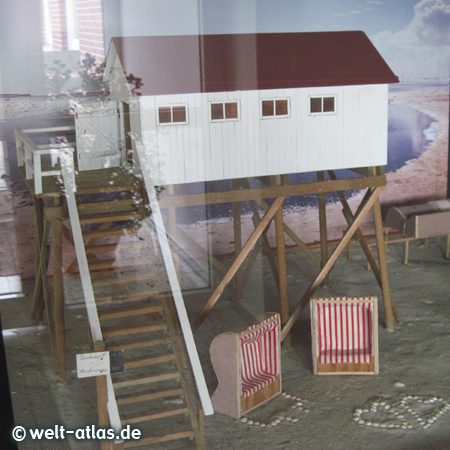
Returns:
<point x="141" y="362"/>
<point x="130" y="399"/>
<point x="116" y="231"/>
<point x="124" y="297"/>
<point x="101" y="280"/>
<point x="159" y="415"/>
<point x="146" y="380"/>
<point x="112" y="205"/>
<point x="111" y="332"/>
<point x="109" y="217"/>
<point x="139" y="344"/>
<point x="128" y="312"/>
<point x="156" y="440"/>
<point x="113" y="247"/>
<point x="104" y="264"/>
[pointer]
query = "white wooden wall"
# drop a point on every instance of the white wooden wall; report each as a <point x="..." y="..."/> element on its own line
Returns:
<point x="356" y="136"/>
<point x="97" y="136"/>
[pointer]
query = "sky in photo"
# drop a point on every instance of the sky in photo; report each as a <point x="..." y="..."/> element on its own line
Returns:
<point x="413" y="36"/>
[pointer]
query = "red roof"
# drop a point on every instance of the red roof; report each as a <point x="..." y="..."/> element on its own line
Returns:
<point x="230" y="62"/>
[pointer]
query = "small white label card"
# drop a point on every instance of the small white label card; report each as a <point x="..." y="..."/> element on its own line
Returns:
<point x="93" y="364"/>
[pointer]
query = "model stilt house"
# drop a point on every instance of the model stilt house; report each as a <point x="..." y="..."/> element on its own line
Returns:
<point x="230" y="106"/>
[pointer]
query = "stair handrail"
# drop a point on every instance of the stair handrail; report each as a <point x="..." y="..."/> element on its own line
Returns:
<point x="68" y="174"/>
<point x="145" y="166"/>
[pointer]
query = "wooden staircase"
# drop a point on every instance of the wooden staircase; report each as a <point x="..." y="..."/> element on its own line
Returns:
<point x="156" y="393"/>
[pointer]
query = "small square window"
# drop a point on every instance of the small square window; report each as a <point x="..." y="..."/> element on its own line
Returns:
<point x="165" y="115"/>
<point x="321" y="105"/>
<point x="172" y="114"/>
<point x="217" y="111"/>
<point x="268" y="108"/>
<point x="328" y="104"/>
<point x="316" y="105"/>
<point x="273" y="108"/>
<point x="231" y="111"/>
<point x="224" y="111"/>
<point x="281" y="107"/>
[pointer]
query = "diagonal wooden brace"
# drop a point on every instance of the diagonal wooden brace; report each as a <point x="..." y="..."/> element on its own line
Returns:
<point x="363" y="242"/>
<point x="359" y="216"/>
<point x="238" y="261"/>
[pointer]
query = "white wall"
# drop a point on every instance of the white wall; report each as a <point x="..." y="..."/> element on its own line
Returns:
<point x="356" y="136"/>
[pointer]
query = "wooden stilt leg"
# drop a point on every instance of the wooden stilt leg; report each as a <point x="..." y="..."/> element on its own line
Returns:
<point x="282" y="271"/>
<point x="58" y="300"/>
<point x="237" y="242"/>
<point x="323" y="226"/>
<point x="362" y="240"/>
<point x="447" y="246"/>
<point x="359" y="216"/>
<point x="287" y="230"/>
<point x="383" y="265"/>
<point x="238" y="261"/>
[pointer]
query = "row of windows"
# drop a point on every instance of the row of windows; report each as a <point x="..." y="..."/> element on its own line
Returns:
<point x="229" y="110"/>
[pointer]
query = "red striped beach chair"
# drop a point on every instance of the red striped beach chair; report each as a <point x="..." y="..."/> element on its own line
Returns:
<point x="344" y="336"/>
<point x="248" y="367"/>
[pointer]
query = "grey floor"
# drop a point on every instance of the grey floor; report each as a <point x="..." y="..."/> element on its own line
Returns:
<point x="416" y="354"/>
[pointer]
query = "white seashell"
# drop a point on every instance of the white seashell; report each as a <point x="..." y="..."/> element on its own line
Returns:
<point x="392" y="410"/>
<point x="250" y="422"/>
<point x="284" y="394"/>
<point x="288" y="395"/>
<point x="361" y="422"/>
<point x="288" y="418"/>
<point x="382" y="403"/>
<point x="387" y="407"/>
<point x="369" y="424"/>
<point x="359" y="411"/>
<point x="399" y="385"/>
<point x="256" y="423"/>
<point x="299" y="404"/>
<point x="365" y="410"/>
<point x="390" y="425"/>
<point x="426" y="401"/>
<point x="409" y="427"/>
<point x="383" y="425"/>
<point x="376" y="424"/>
<point x="262" y="425"/>
<point x="294" y="420"/>
<point x="244" y="419"/>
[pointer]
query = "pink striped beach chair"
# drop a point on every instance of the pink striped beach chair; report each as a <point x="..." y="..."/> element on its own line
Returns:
<point x="248" y="367"/>
<point x="344" y="336"/>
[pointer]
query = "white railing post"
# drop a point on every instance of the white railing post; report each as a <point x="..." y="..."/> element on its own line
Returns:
<point x="68" y="174"/>
<point x="174" y="283"/>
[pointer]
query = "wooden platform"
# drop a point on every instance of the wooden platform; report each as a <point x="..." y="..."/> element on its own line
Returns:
<point x="89" y="182"/>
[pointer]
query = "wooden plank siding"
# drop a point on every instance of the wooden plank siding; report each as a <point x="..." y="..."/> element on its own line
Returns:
<point x="202" y="150"/>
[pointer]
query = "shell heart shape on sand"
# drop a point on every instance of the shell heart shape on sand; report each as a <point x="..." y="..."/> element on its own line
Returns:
<point x="407" y="413"/>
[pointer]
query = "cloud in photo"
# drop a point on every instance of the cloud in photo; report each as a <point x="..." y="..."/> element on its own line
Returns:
<point x="422" y="49"/>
